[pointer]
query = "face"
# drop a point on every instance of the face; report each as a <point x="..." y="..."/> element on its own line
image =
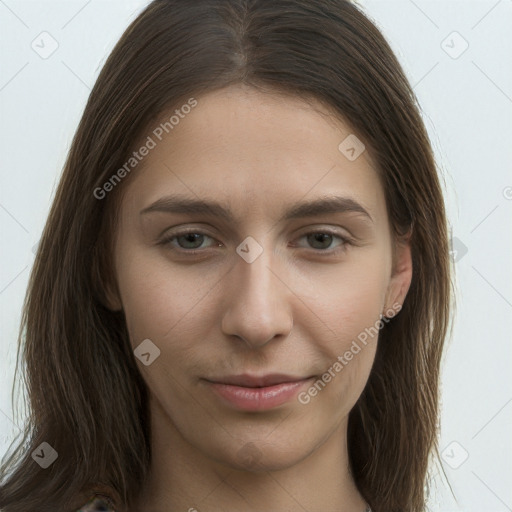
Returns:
<point x="266" y="293"/>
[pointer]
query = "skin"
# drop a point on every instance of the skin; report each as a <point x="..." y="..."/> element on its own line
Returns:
<point x="293" y="310"/>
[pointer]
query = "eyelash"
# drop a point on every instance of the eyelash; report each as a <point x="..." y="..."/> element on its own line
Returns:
<point x="345" y="242"/>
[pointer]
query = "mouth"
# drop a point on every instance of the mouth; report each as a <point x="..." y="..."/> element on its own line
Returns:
<point x="252" y="393"/>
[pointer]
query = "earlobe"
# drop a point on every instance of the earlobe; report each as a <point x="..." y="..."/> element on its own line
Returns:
<point x="111" y="299"/>
<point x="401" y="277"/>
<point x="105" y="289"/>
<point x="107" y="293"/>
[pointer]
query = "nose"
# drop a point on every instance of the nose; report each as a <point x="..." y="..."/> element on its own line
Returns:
<point x="258" y="306"/>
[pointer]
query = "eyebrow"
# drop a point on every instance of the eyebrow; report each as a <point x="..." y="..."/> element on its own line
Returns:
<point x="317" y="207"/>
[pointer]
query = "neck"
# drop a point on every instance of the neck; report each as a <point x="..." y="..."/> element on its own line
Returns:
<point x="183" y="478"/>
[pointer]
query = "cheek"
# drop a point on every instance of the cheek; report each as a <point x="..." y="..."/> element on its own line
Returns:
<point x="348" y="297"/>
<point x="349" y="302"/>
<point x="174" y="308"/>
<point x="162" y="302"/>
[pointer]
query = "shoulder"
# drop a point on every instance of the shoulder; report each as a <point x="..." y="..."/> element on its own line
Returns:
<point x="97" y="503"/>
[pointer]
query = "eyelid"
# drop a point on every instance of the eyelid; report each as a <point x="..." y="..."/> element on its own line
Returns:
<point x="345" y="240"/>
<point x="170" y="236"/>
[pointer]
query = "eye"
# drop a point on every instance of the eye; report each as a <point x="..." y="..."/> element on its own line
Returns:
<point x="188" y="241"/>
<point x="321" y="241"/>
<point x="192" y="241"/>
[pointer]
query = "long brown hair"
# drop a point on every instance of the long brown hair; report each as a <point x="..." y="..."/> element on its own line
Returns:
<point x="87" y="398"/>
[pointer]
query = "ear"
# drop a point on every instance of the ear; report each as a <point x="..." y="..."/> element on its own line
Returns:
<point x="112" y="298"/>
<point x="401" y="274"/>
<point x="106" y="290"/>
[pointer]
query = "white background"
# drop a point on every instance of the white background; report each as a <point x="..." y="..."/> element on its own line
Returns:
<point x="467" y="107"/>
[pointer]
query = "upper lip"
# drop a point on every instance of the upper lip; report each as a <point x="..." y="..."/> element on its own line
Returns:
<point x="250" y="381"/>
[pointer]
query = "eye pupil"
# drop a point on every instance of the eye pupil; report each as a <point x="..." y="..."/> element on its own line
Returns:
<point x="320" y="241"/>
<point x="320" y="237"/>
<point x="194" y="237"/>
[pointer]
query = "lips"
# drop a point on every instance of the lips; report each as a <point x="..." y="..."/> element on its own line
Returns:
<point x="249" y="381"/>
<point x="251" y="393"/>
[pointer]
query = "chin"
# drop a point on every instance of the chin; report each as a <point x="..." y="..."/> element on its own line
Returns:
<point x="262" y="456"/>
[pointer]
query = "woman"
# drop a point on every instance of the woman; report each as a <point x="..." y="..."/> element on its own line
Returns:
<point x="288" y="359"/>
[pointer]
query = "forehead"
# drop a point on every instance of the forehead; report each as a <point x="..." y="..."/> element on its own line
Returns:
<point x="255" y="152"/>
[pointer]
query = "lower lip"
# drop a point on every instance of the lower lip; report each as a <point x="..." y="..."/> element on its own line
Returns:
<point x="258" y="399"/>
